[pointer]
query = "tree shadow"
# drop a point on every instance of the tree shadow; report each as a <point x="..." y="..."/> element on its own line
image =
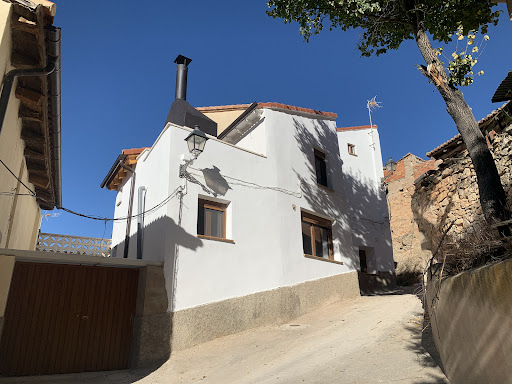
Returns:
<point x="359" y="205"/>
<point x="152" y="337"/>
<point x="422" y="344"/>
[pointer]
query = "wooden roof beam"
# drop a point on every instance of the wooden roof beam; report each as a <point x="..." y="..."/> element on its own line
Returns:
<point x="29" y="153"/>
<point x="32" y="98"/>
<point x="32" y="136"/>
<point x="26" y="113"/>
<point x="22" y="24"/>
<point x="42" y="181"/>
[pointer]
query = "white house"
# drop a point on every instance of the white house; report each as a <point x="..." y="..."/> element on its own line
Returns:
<point x="266" y="224"/>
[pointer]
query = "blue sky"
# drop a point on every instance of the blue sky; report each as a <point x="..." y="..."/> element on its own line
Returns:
<point x="118" y="80"/>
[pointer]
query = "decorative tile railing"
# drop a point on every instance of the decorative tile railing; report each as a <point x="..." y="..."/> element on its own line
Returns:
<point x="78" y="245"/>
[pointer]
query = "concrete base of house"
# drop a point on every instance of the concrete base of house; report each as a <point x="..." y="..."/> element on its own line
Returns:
<point x="206" y="322"/>
<point x="379" y="282"/>
<point x="151" y="339"/>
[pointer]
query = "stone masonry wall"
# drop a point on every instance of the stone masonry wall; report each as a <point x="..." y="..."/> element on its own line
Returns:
<point x="451" y="194"/>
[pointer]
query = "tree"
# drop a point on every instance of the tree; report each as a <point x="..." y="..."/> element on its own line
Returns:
<point x="385" y="25"/>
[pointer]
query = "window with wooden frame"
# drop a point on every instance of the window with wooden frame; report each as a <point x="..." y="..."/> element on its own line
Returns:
<point x="316" y="237"/>
<point x="320" y="168"/>
<point x="211" y="219"/>
<point x="351" y="149"/>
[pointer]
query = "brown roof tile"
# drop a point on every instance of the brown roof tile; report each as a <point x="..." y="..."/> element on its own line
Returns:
<point x="133" y="151"/>
<point x="399" y="172"/>
<point x="421" y="168"/>
<point x="457" y="137"/>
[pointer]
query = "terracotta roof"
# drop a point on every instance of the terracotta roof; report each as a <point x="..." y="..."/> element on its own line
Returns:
<point x="134" y="151"/>
<point x="398" y="174"/>
<point x="341" y="129"/>
<point x="504" y="91"/>
<point x="266" y="105"/>
<point x="458" y="137"/>
<point x="418" y="169"/>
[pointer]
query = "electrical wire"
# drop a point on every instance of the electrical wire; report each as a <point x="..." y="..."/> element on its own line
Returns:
<point x="99" y="218"/>
<point x="249" y="184"/>
<point x="15" y="194"/>
<point x="166" y="200"/>
<point x="16" y="177"/>
<point x="92" y="217"/>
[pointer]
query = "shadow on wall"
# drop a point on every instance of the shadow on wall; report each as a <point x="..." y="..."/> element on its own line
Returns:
<point x="215" y="181"/>
<point x="152" y="330"/>
<point x="352" y="212"/>
<point x="460" y="239"/>
<point x="470" y="316"/>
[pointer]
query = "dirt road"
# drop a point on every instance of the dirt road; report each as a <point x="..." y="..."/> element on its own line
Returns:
<point x="373" y="339"/>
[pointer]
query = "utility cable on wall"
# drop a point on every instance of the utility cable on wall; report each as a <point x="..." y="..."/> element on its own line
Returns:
<point x="92" y="217"/>
<point x="179" y="189"/>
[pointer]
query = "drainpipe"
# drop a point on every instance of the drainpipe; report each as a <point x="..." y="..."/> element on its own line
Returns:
<point x="53" y="38"/>
<point x="130" y="208"/>
<point x="9" y="81"/>
<point x="140" y="220"/>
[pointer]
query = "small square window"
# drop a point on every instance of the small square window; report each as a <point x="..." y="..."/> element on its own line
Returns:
<point x="351" y="149"/>
<point x="211" y="219"/>
<point x="320" y="168"/>
<point x="316" y="237"/>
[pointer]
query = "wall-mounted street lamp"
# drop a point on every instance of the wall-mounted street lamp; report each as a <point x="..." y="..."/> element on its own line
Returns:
<point x="196" y="142"/>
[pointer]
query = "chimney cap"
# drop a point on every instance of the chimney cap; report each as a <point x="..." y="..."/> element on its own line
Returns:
<point x="182" y="60"/>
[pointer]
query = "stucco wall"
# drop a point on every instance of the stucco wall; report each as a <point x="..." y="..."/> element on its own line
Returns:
<point x="471" y="317"/>
<point x="366" y="199"/>
<point x="19" y="215"/>
<point x="265" y="195"/>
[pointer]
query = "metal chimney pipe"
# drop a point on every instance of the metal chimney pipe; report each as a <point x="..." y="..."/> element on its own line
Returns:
<point x="181" y="76"/>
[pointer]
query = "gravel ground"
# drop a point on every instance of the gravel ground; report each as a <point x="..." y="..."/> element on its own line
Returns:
<point x="372" y="339"/>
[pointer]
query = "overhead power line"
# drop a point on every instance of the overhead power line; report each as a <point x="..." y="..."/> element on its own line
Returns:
<point x="92" y="217"/>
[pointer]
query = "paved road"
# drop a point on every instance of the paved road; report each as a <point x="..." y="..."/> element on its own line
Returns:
<point x="372" y="339"/>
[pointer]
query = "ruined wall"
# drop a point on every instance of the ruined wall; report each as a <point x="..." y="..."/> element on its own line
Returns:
<point x="408" y="254"/>
<point x="451" y="194"/>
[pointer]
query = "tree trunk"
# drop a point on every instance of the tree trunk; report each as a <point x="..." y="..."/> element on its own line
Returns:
<point x="492" y="196"/>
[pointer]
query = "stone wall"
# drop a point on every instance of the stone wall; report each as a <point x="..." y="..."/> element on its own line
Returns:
<point x="450" y="194"/>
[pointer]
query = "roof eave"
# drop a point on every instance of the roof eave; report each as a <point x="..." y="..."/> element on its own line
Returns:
<point x="113" y="171"/>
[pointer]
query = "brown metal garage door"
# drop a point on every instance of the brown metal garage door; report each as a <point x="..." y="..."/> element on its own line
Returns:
<point x="67" y="318"/>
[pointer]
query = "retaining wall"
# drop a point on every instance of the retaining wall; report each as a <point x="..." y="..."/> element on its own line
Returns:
<point x="471" y="317"/>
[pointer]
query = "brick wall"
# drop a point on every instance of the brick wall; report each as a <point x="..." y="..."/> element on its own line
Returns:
<point x="408" y="253"/>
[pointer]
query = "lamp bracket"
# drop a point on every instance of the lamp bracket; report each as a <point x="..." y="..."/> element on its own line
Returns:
<point x="183" y="167"/>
